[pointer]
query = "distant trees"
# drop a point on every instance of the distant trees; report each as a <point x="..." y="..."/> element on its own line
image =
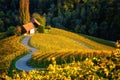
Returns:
<point x="2" y="25"/>
<point x="24" y="11"/>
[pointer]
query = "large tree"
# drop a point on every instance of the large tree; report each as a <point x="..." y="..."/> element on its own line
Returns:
<point x="24" y="11"/>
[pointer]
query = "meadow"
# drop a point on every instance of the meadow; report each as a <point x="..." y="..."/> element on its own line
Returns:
<point x="10" y="48"/>
<point x="66" y="47"/>
<point x="83" y="39"/>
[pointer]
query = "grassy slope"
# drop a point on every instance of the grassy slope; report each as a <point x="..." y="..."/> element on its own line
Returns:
<point x="79" y="70"/>
<point x="10" y="48"/>
<point x="48" y="42"/>
<point x="63" y="44"/>
<point x="82" y="39"/>
<point x="99" y="40"/>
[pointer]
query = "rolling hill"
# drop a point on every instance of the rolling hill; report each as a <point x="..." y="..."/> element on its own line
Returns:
<point x="64" y="54"/>
<point x="63" y="44"/>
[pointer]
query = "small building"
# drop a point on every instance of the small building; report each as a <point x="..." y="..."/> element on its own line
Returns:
<point x="30" y="28"/>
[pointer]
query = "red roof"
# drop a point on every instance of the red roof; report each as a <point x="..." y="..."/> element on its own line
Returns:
<point x="29" y="26"/>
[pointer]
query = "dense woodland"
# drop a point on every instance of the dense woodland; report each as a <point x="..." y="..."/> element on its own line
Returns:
<point x="99" y="18"/>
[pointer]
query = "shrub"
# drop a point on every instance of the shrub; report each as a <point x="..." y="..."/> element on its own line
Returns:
<point x="41" y="28"/>
<point x="40" y="18"/>
<point x="18" y="31"/>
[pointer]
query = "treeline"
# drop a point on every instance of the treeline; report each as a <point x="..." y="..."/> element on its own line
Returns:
<point x="99" y="18"/>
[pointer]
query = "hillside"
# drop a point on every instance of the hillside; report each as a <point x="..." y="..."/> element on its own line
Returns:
<point x="59" y="37"/>
<point x="61" y="51"/>
<point x="62" y="45"/>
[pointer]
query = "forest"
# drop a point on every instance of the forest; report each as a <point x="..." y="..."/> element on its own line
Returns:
<point x="100" y="18"/>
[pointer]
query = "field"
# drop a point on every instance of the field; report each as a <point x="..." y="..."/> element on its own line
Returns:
<point x="53" y="42"/>
<point x="63" y="55"/>
<point x="90" y="69"/>
<point x="10" y="48"/>
<point x="65" y="47"/>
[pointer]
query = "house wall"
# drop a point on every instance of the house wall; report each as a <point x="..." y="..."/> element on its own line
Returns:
<point x="32" y="31"/>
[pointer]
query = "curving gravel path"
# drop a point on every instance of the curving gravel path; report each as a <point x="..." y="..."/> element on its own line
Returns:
<point x="21" y="64"/>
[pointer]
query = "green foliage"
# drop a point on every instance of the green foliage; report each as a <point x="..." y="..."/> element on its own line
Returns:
<point x="77" y="29"/>
<point x="93" y="29"/>
<point x="1" y="25"/>
<point x="80" y="29"/>
<point x="66" y="13"/>
<point x="41" y="29"/>
<point x="10" y="31"/>
<point x="1" y="14"/>
<point x="40" y="18"/>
